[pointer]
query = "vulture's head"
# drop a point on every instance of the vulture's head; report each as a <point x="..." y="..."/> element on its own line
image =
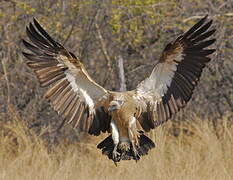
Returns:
<point x="115" y="105"/>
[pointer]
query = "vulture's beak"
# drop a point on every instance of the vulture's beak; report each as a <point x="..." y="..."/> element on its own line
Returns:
<point x="111" y="108"/>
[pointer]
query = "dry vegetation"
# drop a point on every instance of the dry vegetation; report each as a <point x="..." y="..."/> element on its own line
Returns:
<point x="197" y="153"/>
<point x="100" y="33"/>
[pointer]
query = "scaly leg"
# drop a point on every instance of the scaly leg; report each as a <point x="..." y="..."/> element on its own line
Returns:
<point x="135" y="152"/>
<point x="133" y="140"/>
<point x="132" y="130"/>
<point x="115" y="154"/>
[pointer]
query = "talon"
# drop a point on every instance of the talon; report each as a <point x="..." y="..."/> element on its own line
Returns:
<point x="115" y="155"/>
<point x="135" y="154"/>
<point x="115" y="163"/>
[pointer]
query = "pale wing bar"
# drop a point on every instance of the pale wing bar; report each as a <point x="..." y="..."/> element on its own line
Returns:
<point x="72" y="93"/>
<point x="174" y="78"/>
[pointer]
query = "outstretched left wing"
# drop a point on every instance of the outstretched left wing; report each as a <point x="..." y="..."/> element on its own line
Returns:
<point x="72" y="93"/>
<point x="173" y="79"/>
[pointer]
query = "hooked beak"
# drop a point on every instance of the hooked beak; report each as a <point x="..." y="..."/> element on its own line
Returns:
<point x="111" y="108"/>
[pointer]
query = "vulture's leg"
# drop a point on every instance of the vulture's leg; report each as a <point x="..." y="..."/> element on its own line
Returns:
<point x="133" y="138"/>
<point x="115" y="137"/>
<point x="135" y="152"/>
<point x="115" y="154"/>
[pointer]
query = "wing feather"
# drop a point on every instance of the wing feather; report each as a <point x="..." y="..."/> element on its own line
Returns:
<point x="195" y="27"/>
<point x="174" y="78"/>
<point x="72" y="92"/>
<point x="204" y="36"/>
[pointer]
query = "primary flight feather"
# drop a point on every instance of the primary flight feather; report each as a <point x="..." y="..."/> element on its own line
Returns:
<point x="126" y="115"/>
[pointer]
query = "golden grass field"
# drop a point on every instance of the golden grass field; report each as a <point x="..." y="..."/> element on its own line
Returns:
<point x="195" y="155"/>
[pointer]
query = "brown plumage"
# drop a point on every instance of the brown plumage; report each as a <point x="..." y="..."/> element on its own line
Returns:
<point x="126" y="115"/>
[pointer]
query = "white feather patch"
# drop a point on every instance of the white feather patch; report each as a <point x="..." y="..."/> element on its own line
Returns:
<point x="60" y="65"/>
<point x="88" y="99"/>
<point x="162" y="75"/>
<point x="155" y="86"/>
<point x="132" y="122"/>
<point x="115" y="133"/>
<point x="71" y="79"/>
<point x="81" y="91"/>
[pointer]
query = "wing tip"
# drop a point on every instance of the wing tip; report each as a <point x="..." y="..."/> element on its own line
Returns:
<point x="27" y="55"/>
<point x="35" y="20"/>
<point x="197" y="26"/>
<point x="203" y="19"/>
<point x="25" y="43"/>
<point x="38" y="26"/>
<point x="206" y="16"/>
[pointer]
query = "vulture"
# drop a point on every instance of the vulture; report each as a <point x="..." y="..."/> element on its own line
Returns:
<point x="128" y="115"/>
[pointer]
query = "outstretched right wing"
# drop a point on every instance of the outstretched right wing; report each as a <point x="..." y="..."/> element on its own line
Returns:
<point x="73" y="94"/>
<point x="174" y="78"/>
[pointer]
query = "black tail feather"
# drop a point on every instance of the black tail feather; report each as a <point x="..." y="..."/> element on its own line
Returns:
<point x="145" y="144"/>
<point x="107" y="146"/>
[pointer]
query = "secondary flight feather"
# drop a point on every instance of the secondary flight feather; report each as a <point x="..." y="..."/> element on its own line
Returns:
<point x="125" y="115"/>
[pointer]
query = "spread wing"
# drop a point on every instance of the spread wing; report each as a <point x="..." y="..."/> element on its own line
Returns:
<point x="72" y="92"/>
<point x="173" y="79"/>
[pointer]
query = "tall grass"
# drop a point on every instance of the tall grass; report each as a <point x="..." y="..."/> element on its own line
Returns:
<point x="196" y="153"/>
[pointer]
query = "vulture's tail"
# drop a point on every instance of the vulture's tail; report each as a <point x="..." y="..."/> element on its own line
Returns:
<point x="145" y="144"/>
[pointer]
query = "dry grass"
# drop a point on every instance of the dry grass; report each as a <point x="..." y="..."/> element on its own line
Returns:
<point x="199" y="155"/>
